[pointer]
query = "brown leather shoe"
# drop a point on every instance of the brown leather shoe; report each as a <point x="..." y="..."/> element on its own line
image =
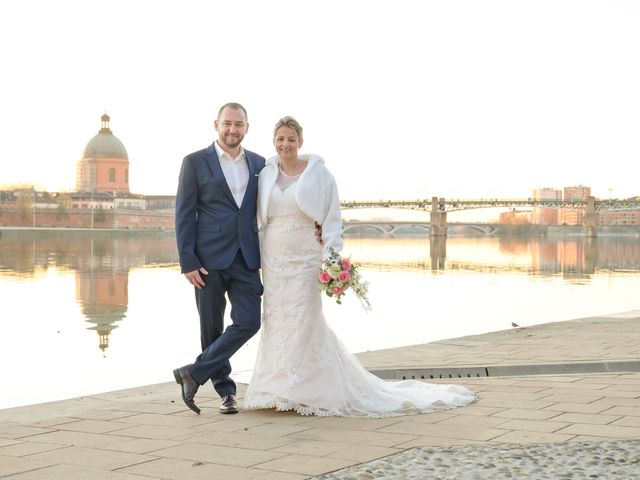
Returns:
<point x="229" y="404"/>
<point x="188" y="386"/>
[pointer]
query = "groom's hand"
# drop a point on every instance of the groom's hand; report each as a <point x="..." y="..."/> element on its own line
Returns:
<point x="319" y="233"/>
<point x="194" y="277"/>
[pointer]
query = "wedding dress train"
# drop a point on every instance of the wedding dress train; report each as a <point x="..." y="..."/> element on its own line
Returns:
<point x="301" y="364"/>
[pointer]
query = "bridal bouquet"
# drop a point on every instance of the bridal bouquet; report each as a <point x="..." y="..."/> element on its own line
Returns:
<point x="338" y="274"/>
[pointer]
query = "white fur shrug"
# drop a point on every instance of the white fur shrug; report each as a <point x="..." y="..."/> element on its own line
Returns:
<point x="316" y="194"/>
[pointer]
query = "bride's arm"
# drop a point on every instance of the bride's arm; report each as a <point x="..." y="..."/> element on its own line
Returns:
<point x="332" y="221"/>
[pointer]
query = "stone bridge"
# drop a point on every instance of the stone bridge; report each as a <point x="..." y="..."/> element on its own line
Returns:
<point x="438" y="208"/>
<point x="391" y="227"/>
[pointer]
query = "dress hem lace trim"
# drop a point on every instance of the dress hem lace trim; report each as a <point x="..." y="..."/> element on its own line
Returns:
<point x="305" y="410"/>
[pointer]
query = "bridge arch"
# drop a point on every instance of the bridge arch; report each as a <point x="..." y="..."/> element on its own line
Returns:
<point x="398" y="228"/>
<point x="360" y="226"/>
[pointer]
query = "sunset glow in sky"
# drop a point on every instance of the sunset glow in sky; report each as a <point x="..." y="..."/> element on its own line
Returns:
<point x="404" y="99"/>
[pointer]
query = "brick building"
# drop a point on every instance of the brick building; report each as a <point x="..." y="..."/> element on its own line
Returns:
<point x="571" y="216"/>
<point x="541" y="215"/>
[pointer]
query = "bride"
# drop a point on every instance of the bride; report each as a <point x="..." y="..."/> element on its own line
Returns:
<point x="301" y="364"/>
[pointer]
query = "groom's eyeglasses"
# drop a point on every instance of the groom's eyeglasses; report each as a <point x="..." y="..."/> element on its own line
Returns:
<point x="238" y="125"/>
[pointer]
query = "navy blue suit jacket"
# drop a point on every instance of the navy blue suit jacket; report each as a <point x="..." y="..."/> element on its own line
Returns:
<point x="210" y="227"/>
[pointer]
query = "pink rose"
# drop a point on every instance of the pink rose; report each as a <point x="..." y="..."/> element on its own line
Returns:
<point x="337" y="291"/>
<point x="325" y="277"/>
<point x="346" y="264"/>
<point x="344" y="277"/>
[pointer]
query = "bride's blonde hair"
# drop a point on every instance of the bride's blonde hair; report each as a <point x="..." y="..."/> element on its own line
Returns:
<point x="289" y="122"/>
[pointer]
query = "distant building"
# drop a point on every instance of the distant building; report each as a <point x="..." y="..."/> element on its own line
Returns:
<point x="161" y="202"/>
<point x="102" y="199"/>
<point x="541" y="215"/>
<point x="92" y="200"/>
<point x="107" y="201"/>
<point x="104" y="165"/>
<point x="620" y="217"/>
<point x="571" y="216"/>
<point x="515" y="217"/>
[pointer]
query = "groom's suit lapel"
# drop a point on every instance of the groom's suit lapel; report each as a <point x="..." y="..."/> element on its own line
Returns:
<point x="252" y="183"/>
<point x="216" y="170"/>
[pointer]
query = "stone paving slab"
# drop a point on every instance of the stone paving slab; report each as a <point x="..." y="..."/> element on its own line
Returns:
<point x="582" y="340"/>
<point x="74" y="472"/>
<point x="148" y="433"/>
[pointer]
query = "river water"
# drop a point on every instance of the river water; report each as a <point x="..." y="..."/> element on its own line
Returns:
<point x="84" y="312"/>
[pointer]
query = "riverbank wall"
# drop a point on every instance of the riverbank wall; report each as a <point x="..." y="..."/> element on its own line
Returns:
<point x="120" y="219"/>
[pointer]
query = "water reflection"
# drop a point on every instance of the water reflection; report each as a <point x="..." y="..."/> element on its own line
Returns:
<point x="438" y="252"/>
<point x="101" y="262"/>
<point x="103" y="297"/>
<point x="571" y="258"/>
<point x="31" y="253"/>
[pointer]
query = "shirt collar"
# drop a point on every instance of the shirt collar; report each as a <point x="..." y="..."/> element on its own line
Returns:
<point x="222" y="155"/>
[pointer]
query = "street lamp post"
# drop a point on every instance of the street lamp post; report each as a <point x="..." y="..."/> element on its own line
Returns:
<point x="34" y="208"/>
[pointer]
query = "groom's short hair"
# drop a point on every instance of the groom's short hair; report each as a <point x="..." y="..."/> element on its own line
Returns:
<point x="235" y="105"/>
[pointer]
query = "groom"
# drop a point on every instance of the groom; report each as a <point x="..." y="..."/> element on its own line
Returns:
<point x="217" y="237"/>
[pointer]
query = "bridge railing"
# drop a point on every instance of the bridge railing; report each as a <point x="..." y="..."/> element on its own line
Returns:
<point x="450" y="205"/>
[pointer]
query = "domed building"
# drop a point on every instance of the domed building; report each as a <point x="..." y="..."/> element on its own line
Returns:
<point x="104" y="165"/>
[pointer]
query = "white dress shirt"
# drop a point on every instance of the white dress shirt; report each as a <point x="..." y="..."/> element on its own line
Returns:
<point x="236" y="172"/>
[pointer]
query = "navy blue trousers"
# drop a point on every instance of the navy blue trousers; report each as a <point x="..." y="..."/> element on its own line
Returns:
<point x="244" y="289"/>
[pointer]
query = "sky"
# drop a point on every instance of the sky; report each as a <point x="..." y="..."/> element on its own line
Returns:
<point x="403" y="99"/>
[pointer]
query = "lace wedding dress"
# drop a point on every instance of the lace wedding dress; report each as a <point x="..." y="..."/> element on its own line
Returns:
<point x="301" y="365"/>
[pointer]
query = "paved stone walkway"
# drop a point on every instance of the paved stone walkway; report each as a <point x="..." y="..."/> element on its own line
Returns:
<point x="147" y="433"/>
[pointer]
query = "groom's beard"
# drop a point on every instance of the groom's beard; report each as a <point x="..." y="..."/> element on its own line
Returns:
<point x="232" y="141"/>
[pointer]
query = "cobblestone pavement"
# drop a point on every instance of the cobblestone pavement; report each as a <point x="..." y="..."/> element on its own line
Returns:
<point x="580" y="460"/>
